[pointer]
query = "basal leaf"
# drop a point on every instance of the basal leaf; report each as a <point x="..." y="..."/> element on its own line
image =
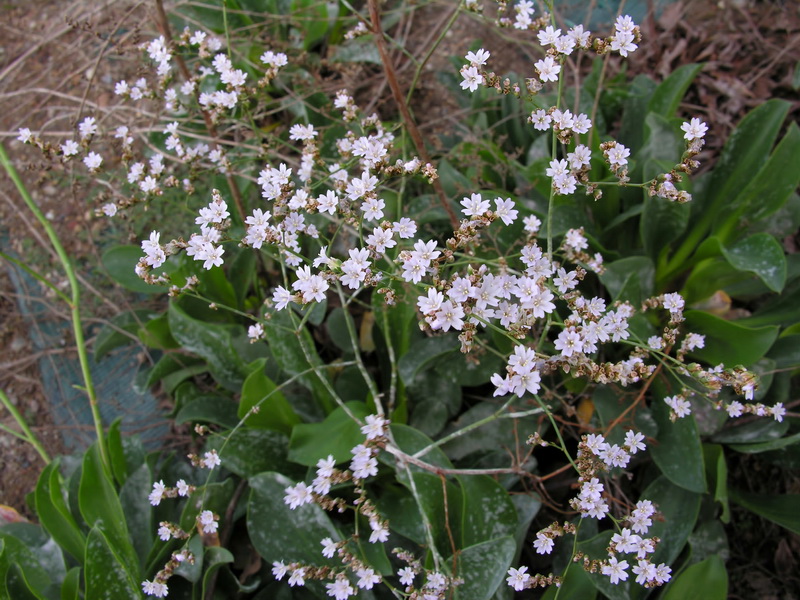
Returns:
<point x="760" y="254"/>
<point x="100" y="507"/>
<point x="487" y="512"/>
<point x="277" y="532"/>
<point x="706" y="580"/>
<point x="336" y="435"/>
<point x="678" y="452"/>
<point x="120" y="262"/>
<point x="211" y="341"/>
<point x="106" y="573"/>
<point x="483" y="567"/>
<point x="263" y="405"/>
<point x="728" y="342"/>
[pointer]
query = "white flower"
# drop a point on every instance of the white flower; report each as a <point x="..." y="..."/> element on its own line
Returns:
<point x="328" y="547"/>
<point x="615" y="570"/>
<point x="279" y="570"/>
<point x="69" y="148"/>
<point x="375" y="426"/>
<point x="340" y="589"/>
<point x="93" y="161"/>
<point x="183" y="487"/>
<point x="210" y="460"/>
<point x="155" y="588"/>
<point x="472" y="78"/>
<point x="406" y="575"/>
<point x="208" y="521"/>
<point x="548" y="69"/>
<point x="302" y="132"/>
<point x="157" y="494"/>
<point x="87" y="128"/>
<point x="680" y="406"/>
<point x="367" y="578"/>
<point x="478" y="58"/>
<point x="694" y="129"/>
<point x="543" y="544"/>
<point x="296" y="578"/>
<point x="673" y="302"/>
<point x="518" y="578"/>
<point x="505" y="210"/>
<point x="298" y="495"/>
<point x="474" y="206"/>
<point x="25" y="135"/>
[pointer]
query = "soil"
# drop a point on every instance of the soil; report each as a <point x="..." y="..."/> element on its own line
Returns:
<point x="50" y="74"/>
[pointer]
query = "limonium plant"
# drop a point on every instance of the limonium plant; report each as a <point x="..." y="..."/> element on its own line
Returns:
<point x="322" y="215"/>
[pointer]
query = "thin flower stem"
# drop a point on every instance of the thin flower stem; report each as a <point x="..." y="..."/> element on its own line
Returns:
<point x="74" y="304"/>
<point x="392" y="362"/>
<point x="431" y="50"/>
<point x="351" y="331"/>
<point x="466" y="429"/>
<point x="35" y="274"/>
<point x="397" y="93"/>
<point x="437" y="559"/>
<point x="574" y="552"/>
<point x="163" y="23"/>
<point x="558" y="433"/>
<point x="27" y="435"/>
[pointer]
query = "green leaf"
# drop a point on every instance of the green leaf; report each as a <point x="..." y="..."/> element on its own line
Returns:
<point x="487" y="512"/>
<point x="483" y="567"/>
<point x="786" y="352"/>
<point x="678" y="452"/>
<point x="745" y="153"/>
<point x="706" y="580"/>
<point x="120" y="331"/>
<point x="120" y="262"/>
<point x="434" y="397"/>
<point x="20" y="570"/>
<point x="70" y="587"/>
<point x="769" y="189"/>
<point x="631" y="278"/>
<point x="336" y="436"/>
<point x="138" y="512"/>
<point x="215" y="557"/>
<point x="248" y="452"/>
<point x="717" y="475"/>
<point x="576" y="584"/>
<point x="171" y="364"/>
<point x="708" y="277"/>
<point x="754" y="432"/>
<point x="277" y="532"/>
<point x="431" y="490"/>
<point x="760" y="254"/>
<point x="54" y="514"/>
<point x="778" y="444"/>
<point x="423" y="353"/>
<point x="727" y="342"/>
<point x="218" y="410"/>
<point x="311" y="18"/>
<point x="270" y="408"/>
<point x="668" y="95"/>
<point x="100" y="506"/>
<point x="779" y="310"/>
<point x="156" y="334"/>
<point x="680" y="509"/>
<point x="211" y="341"/>
<point x="17" y="584"/>
<point x="106" y="573"/>
<point x="287" y="348"/>
<point x="662" y="222"/>
<point x="395" y="322"/>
